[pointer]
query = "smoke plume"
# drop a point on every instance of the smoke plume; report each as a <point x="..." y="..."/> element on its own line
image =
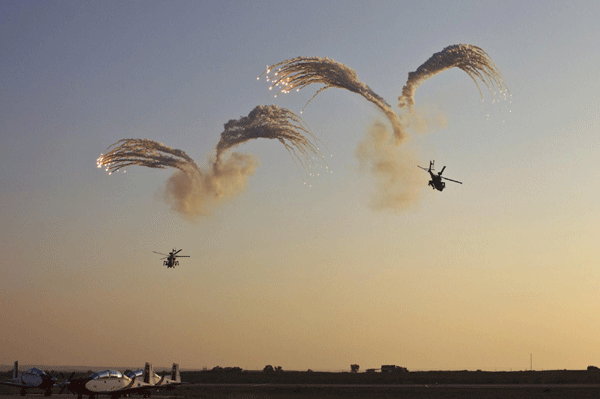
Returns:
<point x="190" y="191"/>
<point x="271" y="122"/>
<point x="193" y="192"/>
<point x="398" y="181"/>
<point x="194" y="196"/>
<point x="299" y="72"/>
<point x="471" y="59"/>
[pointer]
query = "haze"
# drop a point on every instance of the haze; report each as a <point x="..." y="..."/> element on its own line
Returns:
<point x="298" y="275"/>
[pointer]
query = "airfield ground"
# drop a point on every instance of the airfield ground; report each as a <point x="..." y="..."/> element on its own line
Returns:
<point x="432" y="385"/>
<point x="274" y="392"/>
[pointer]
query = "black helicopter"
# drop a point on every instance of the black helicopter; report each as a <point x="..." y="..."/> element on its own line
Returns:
<point x="171" y="258"/>
<point x="436" y="182"/>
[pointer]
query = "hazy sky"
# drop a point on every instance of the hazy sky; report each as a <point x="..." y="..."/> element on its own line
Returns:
<point x="479" y="276"/>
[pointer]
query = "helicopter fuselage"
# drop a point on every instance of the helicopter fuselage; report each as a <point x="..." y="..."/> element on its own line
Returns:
<point x="170" y="259"/>
<point x="436" y="182"/>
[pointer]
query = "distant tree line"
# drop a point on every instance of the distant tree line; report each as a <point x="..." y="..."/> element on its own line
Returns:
<point x="219" y="369"/>
<point x="270" y="369"/>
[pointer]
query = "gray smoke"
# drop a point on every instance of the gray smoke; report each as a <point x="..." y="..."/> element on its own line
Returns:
<point x="471" y="59"/>
<point x="299" y="72"/>
<point x="193" y="192"/>
<point x="397" y="179"/>
<point x="271" y="122"/>
<point x="189" y="191"/>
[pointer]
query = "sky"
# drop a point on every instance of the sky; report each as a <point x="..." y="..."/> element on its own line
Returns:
<point x="300" y="271"/>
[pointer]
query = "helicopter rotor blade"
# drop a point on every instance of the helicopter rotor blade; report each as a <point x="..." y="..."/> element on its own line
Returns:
<point x="425" y="169"/>
<point x="182" y="256"/>
<point x="441" y="171"/>
<point x="160" y="253"/>
<point x="455" y="181"/>
<point x="175" y="253"/>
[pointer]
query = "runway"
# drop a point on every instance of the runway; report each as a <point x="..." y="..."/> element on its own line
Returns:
<point x="396" y="386"/>
<point x="363" y="391"/>
<point x="347" y="386"/>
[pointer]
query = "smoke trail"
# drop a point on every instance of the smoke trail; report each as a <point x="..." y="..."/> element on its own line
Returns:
<point x="193" y="197"/>
<point x="299" y="72"/>
<point x="398" y="181"/>
<point x="270" y="122"/>
<point x="471" y="59"/>
<point x="193" y="192"/>
<point x="189" y="191"/>
<point x="148" y="153"/>
<point x="424" y="120"/>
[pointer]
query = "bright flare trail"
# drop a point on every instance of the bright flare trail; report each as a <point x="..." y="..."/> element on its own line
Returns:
<point x="270" y="122"/>
<point x="299" y="72"/>
<point x="193" y="192"/>
<point x="189" y="191"/>
<point x="148" y="153"/>
<point x="471" y="59"/>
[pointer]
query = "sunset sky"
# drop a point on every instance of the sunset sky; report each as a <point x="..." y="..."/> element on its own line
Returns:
<point x="297" y="275"/>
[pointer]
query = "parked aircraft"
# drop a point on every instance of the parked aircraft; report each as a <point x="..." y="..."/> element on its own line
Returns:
<point x="32" y="378"/>
<point x="155" y="380"/>
<point x="116" y="384"/>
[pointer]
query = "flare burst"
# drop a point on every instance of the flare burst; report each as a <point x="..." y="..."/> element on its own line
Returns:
<point x="471" y="59"/>
<point x="299" y="72"/>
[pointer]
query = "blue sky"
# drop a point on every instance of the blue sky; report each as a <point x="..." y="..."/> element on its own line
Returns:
<point x="476" y="277"/>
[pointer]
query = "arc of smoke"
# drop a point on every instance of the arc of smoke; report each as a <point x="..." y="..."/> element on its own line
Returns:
<point x="189" y="191"/>
<point x="148" y="153"/>
<point x="300" y="72"/>
<point x="193" y="192"/>
<point x="471" y="59"/>
<point x="270" y="122"/>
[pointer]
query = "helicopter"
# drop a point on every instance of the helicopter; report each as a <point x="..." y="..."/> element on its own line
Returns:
<point x="436" y="182"/>
<point x="171" y="261"/>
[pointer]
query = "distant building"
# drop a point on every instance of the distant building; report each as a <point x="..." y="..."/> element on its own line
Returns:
<point x="390" y="368"/>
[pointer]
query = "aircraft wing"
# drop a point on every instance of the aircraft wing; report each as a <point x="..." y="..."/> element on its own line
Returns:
<point x="13" y="384"/>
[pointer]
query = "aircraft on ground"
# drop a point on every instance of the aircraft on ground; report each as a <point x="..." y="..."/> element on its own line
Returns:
<point x="436" y="182"/>
<point x="32" y="378"/>
<point x="150" y="377"/>
<point x="171" y="258"/>
<point x="117" y="384"/>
